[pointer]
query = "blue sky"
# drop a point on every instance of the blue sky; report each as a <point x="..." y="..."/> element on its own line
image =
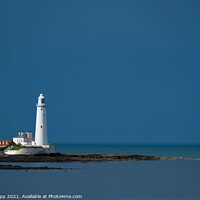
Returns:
<point x="111" y="71"/>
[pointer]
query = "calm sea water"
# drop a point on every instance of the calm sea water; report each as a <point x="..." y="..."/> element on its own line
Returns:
<point x="125" y="180"/>
<point x="187" y="151"/>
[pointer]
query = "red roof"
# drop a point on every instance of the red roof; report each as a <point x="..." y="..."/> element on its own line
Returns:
<point x="4" y="142"/>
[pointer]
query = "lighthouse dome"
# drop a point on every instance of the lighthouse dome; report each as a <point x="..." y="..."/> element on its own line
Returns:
<point x="41" y="99"/>
<point x="41" y="96"/>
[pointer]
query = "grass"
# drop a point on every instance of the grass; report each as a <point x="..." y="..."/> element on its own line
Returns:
<point x="16" y="148"/>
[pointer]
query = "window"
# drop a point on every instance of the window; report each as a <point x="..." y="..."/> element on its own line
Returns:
<point x="41" y="108"/>
<point x="44" y="115"/>
<point x="43" y="100"/>
<point x="41" y="126"/>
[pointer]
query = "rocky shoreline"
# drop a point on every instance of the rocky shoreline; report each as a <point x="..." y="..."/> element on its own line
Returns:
<point x="93" y="157"/>
<point x="17" y="167"/>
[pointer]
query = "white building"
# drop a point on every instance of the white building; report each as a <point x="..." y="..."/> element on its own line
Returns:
<point x="24" y="138"/>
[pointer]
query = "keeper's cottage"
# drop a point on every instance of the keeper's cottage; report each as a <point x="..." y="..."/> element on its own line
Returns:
<point x="27" y="144"/>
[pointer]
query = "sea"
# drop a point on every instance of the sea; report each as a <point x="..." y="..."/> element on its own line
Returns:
<point x="113" y="180"/>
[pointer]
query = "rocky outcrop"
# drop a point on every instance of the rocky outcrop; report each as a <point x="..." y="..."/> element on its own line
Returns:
<point x="98" y="157"/>
<point x="17" y="167"/>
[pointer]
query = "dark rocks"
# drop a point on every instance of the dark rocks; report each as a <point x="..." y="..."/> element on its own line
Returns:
<point x="58" y="157"/>
<point x="17" y="167"/>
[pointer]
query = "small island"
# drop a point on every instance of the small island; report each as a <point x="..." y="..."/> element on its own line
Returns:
<point x="83" y="157"/>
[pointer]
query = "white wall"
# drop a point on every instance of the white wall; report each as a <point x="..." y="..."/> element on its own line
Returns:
<point x="31" y="151"/>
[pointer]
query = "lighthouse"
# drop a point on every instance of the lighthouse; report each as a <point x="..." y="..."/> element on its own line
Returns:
<point x="31" y="145"/>
<point x="41" y="122"/>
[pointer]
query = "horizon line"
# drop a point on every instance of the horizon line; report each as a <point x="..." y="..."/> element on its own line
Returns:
<point x="129" y="144"/>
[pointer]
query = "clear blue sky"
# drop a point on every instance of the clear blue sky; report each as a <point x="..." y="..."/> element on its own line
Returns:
<point x="111" y="71"/>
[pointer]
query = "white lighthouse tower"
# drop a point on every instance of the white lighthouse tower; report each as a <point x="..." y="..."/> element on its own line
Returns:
<point x="41" y="122"/>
